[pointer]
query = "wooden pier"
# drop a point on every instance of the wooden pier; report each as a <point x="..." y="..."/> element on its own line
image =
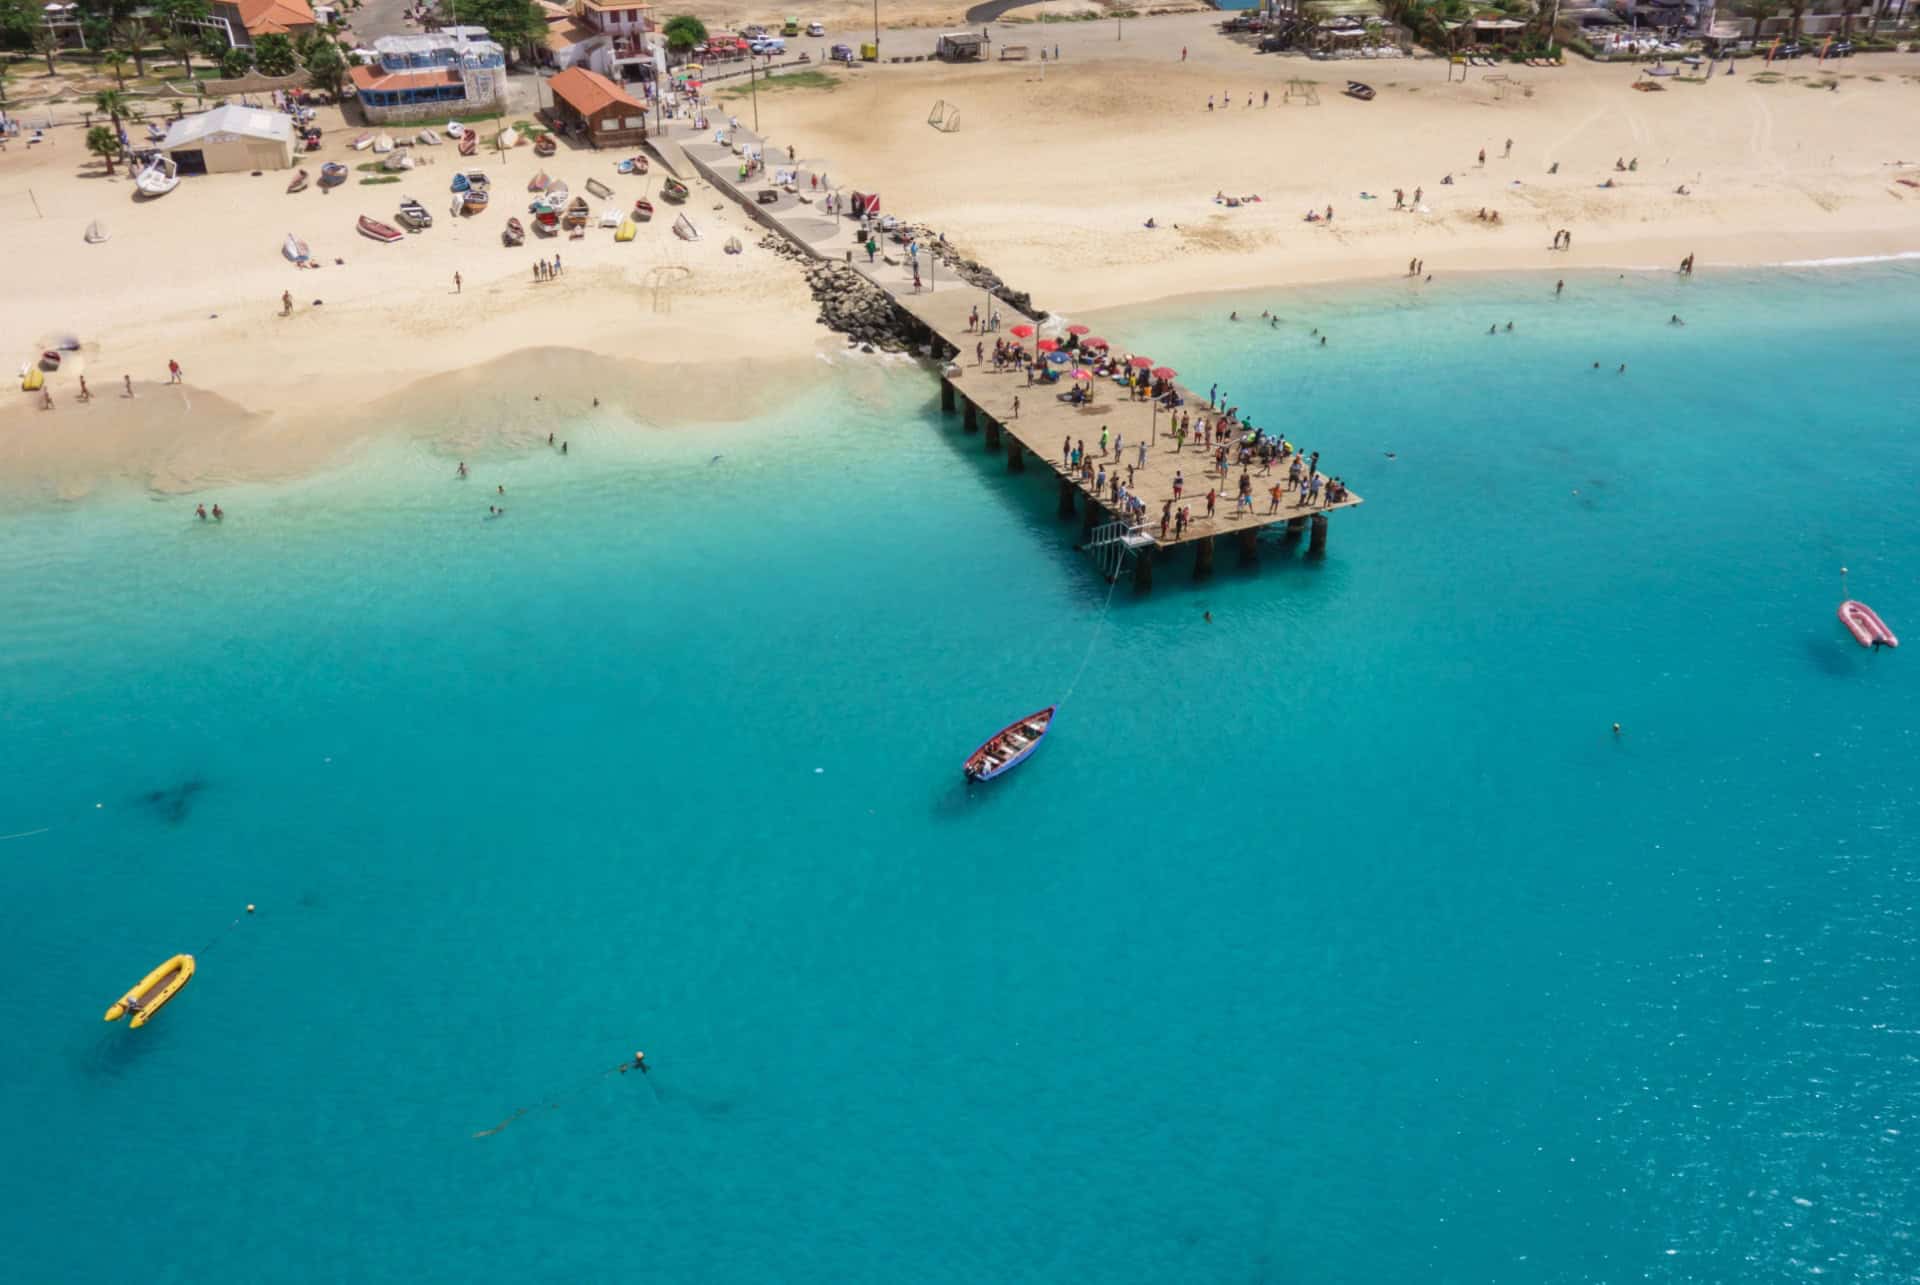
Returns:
<point x="1045" y="420"/>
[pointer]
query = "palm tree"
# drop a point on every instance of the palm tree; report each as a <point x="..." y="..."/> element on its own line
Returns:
<point x="116" y="62"/>
<point x="114" y="105"/>
<point x="105" y="144"/>
<point x="133" y="33"/>
<point x="181" y="48"/>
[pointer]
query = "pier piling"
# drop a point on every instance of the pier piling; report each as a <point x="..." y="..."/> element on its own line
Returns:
<point x="1247" y="538"/>
<point x="1065" y="509"/>
<point x="1016" y="456"/>
<point x="1143" y="570"/>
<point x="970" y="420"/>
<point x="946" y="396"/>
<point x="993" y="433"/>
<point x="1203" y="557"/>
<point x="1296" y="527"/>
<point x="1317" y="541"/>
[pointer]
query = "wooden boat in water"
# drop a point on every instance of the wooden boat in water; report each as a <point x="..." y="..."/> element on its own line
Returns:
<point x="674" y="190"/>
<point x="596" y="188"/>
<point x="643" y="210"/>
<point x="413" y="216"/>
<point x="332" y="174"/>
<point x="378" y="231"/>
<point x="1009" y="747"/>
<point x="515" y="233"/>
<point x="543" y="145"/>
<point x="152" y="992"/>
<point x="299" y="183"/>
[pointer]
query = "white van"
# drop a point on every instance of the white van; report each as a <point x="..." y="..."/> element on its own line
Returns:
<point x="769" y="45"/>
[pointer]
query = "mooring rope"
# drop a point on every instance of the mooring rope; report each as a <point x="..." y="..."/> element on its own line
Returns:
<point x="1094" y="641"/>
<point x="556" y="1105"/>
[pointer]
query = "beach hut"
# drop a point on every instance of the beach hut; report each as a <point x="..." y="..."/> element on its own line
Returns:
<point x="588" y="103"/>
<point x="960" y="46"/>
<point x="231" y="139"/>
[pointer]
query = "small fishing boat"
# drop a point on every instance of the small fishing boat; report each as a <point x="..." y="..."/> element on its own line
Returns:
<point x="471" y="180"/>
<point x="538" y="183"/>
<point x="1357" y="90"/>
<point x="413" y="216"/>
<point x="379" y="231"/>
<point x="626" y="230"/>
<point x="508" y="137"/>
<point x="596" y="188"/>
<point x="383" y="143"/>
<point x="1864" y="623"/>
<point x="153" y="991"/>
<point x="610" y="217"/>
<point x="299" y="183"/>
<point x="1009" y="747"/>
<point x="674" y="190"/>
<point x="473" y="200"/>
<point x="96" y="232"/>
<point x="32" y="382"/>
<point x="50" y="359"/>
<point x="469" y="143"/>
<point x="400" y="160"/>
<point x="361" y="142"/>
<point x="543" y="145"/>
<point x="632" y="165"/>
<point x="428" y="137"/>
<point x="515" y="233"/>
<point x="332" y="174"/>
<point x="546" y="223"/>
<point x="643" y="210"/>
<point x="296" y="250"/>
<point x="455" y="129"/>
<point x="158" y="178"/>
<point x="684" y="229"/>
<point x="577" y="213"/>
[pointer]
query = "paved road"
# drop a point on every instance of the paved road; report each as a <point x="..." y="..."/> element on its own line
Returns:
<point x="378" y="18"/>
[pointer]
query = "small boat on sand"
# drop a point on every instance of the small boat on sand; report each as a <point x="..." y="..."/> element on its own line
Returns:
<point x="299" y="183"/>
<point x="455" y="129"/>
<point x="543" y="145"/>
<point x="158" y="178"/>
<point x="413" y="216"/>
<point x="153" y="991"/>
<point x="546" y="222"/>
<point x="469" y="143"/>
<point x="625" y="231"/>
<point x="1357" y="90"/>
<point x="684" y="229"/>
<point x="538" y="183"/>
<point x="332" y="174"/>
<point x="643" y="210"/>
<point x="470" y="180"/>
<point x="379" y="231"/>
<point x="361" y="142"/>
<point x="577" y="213"/>
<point x="473" y="200"/>
<point x="632" y="165"/>
<point x="428" y="137"/>
<point x="1864" y="623"/>
<point x="515" y="233"/>
<point x="599" y="189"/>
<point x="296" y="250"/>
<point x="1009" y="747"/>
<point x="674" y="190"/>
<point x="383" y="143"/>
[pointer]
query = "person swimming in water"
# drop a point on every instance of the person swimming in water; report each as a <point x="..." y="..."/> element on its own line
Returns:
<point x="462" y="470"/>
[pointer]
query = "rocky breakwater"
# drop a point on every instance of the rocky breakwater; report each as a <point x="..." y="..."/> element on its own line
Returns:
<point x="861" y="310"/>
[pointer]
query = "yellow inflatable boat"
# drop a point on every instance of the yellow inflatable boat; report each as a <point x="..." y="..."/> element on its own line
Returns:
<point x="32" y="380"/>
<point x="154" y="990"/>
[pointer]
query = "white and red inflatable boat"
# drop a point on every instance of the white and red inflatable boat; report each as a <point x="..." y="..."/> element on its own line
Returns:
<point x="1866" y="626"/>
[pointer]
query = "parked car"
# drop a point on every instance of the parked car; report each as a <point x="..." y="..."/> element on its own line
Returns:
<point x="768" y="45"/>
<point x="1840" y="49"/>
<point x="842" y="53"/>
<point x="753" y="32"/>
<point x="815" y="29"/>
<point x="1792" y="49"/>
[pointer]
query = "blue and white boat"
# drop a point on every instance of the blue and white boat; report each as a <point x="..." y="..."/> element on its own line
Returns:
<point x="1009" y="747"/>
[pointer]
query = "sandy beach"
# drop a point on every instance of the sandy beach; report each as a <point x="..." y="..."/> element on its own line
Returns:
<point x="1051" y="179"/>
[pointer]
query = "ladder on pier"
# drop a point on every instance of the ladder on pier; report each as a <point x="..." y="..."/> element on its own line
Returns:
<point x="1112" y="545"/>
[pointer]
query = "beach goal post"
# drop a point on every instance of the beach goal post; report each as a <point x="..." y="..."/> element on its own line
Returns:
<point x="1302" y="90"/>
<point x="944" y="117"/>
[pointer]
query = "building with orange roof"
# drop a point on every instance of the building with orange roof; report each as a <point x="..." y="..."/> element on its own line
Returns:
<point x="595" y="110"/>
<point x="456" y="71"/>
<point x="242" y="21"/>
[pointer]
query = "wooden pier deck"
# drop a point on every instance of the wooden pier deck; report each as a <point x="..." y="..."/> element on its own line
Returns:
<point x="1045" y="420"/>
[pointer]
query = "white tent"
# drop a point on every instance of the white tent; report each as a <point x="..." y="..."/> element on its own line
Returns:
<point x="231" y="138"/>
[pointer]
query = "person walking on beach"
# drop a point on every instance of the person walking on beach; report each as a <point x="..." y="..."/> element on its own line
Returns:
<point x="1483" y="156"/>
<point x="1143" y="455"/>
<point x="286" y="303"/>
<point x="1066" y="450"/>
<point x="1509" y="151"/>
<point x="1183" y="53"/>
<point x="456" y="282"/>
<point x="1016" y="407"/>
<point x="173" y="371"/>
<point x="127" y="381"/>
<point x="85" y="396"/>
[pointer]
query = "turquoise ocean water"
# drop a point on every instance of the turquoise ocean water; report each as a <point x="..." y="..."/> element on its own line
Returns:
<point x="1335" y="940"/>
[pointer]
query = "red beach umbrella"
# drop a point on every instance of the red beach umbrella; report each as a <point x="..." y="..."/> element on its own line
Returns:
<point x="1083" y="374"/>
<point x="1164" y="372"/>
<point x="1094" y="341"/>
<point x="1021" y="331"/>
<point x="1079" y="330"/>
<point x="1141" y="363"/>
<point x="1047" y="345"/>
